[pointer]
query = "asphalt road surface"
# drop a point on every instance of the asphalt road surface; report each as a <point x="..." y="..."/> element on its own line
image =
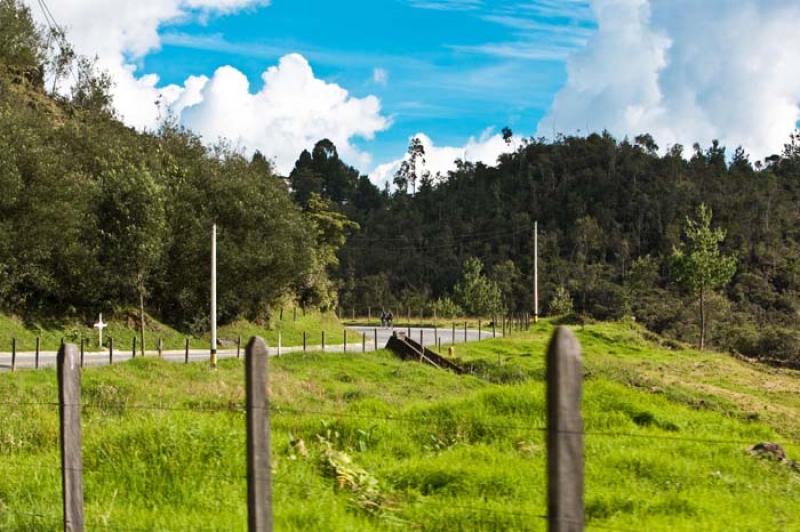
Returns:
<point x="429" y="336"/>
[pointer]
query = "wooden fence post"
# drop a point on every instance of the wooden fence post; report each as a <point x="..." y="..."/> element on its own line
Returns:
<point x="465" y="332"/>
<point x="82" y="350"/>
<point x="69" y="406"/>
<point x="280" y="341"/>
<point x="160" y="348"/>
<point x="479" y="330"/>
<point x="133" y="351"/>
<point x="13" y="354"/>
<point x="238" y="345"/>
<point x="323" y="341"/>
<point x="453" y="335"/>
<point x="186" y="351"/>
<point x="110" y="350"/>
<point x="304" y="341"/>
<point x="345" y="340"/>
<point x="36" y="363"/>
<point x="259" y="474"/>
<point x="375" y="335"/>
<point x="494" y="329"/>
<point x="564" y="433"/>
<point x="363" y="343"/>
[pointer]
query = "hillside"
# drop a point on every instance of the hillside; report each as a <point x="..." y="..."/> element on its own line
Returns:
<point x="366" y="442"/>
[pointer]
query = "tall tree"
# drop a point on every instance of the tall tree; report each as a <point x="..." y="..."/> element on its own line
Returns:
<point x="699" y="263"/>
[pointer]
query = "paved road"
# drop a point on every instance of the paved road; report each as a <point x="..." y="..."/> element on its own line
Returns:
<point x="47" y="359"/>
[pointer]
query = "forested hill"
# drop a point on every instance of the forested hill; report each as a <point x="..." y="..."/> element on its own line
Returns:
<point x="95" y="216"/>
<point x="610" y="213"/>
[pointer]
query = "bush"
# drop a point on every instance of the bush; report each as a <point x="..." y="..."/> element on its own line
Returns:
<point x="561" y="304"/>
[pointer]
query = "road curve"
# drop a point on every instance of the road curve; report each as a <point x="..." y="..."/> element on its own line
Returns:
<point x="428" y="335"/>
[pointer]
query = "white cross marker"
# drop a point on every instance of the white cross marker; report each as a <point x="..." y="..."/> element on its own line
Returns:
<point x="100" y="326"/>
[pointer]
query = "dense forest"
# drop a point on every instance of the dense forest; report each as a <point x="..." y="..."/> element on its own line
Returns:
<point x="613" y="217"/>
<point x="95" y="215"/>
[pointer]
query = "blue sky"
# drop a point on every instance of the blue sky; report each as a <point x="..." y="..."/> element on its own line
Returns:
<point x="278" y="75"/>
<point x="439" y="79"/>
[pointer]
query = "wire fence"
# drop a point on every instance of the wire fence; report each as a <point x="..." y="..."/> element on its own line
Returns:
<point x="287" y="418"/>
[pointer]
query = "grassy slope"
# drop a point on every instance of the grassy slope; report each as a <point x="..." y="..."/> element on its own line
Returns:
<point x="52" y="332"/>
<point x="462" y="445"/>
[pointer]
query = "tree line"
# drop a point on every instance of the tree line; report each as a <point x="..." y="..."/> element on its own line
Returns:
<point x="95" y="216"/>
<point x="626" y="229"/>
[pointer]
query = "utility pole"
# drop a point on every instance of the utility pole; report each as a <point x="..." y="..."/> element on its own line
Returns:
<point x="214" y="296"/>
<point x="536" y="272"/>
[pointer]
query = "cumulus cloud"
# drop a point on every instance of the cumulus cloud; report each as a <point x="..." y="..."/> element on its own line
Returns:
<point x="441" y="159"/>
<point x="119" y="33"/>
<point x="686" y="71"/>
<point x="292" y="111"/>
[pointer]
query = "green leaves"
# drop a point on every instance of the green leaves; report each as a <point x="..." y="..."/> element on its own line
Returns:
<point x="699" y="263"/>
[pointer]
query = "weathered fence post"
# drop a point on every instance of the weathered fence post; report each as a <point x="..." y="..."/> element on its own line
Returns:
<point x="465" y="332"/>
<point x="36" y="363"/>
<point x="69" y="407"/>
<point x="13" y="354"/>
<point x="564" y="433"/>
<point x="160" y="348"/>
<point x="479" y="330"/>
<point x="280" y="342"/>
<point x="82" y="350"/>
<point x="238" y="345"/>
<point x="110" y="350"/>
<point x="304" y="341"/>
<point x="408" y="330"/>
<point x="435" y="334"/>
<point x="345" y="340"/>
<point x="186" y="351"/>
<point x="133" y="350"/>
<point x="363" y="343"/>
<point x="323" y="341"/>
<point x="375" y="335"/>
<point x="421" y="337"/>
<point x="259" y="473"/>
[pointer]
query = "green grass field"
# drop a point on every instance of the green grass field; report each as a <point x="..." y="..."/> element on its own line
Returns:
<point x="367" y="442"/>
<point x="122" y="329"/>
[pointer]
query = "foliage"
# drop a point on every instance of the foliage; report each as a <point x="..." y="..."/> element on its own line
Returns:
<point x="94" y="214"/>
<point x="444" y="307"/>
<point x="699" y="265"/>
<point x="475" y="293"/>
<point x="561" y="303"/>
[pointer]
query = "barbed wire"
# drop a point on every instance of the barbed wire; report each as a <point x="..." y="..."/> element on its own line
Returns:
<point x="279" y="410"/>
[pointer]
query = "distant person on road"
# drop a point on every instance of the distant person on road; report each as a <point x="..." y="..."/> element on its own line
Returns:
<point x="389" y="319"/>
<point x="383" y="318"/>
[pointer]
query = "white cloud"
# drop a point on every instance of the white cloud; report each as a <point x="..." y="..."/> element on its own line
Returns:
<point x="380" y="76"/>
<point x="686" y="72"/>
<point x="441" y="159"/>
<point x="292" y="111"/>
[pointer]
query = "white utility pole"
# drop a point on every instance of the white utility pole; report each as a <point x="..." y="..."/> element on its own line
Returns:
<point x="536" y="272"/>
<point x="214" y="296"/>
